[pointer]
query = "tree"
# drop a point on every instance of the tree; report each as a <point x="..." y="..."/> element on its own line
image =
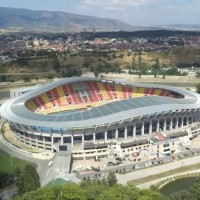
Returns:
<point x="133" y="64"/>
<point x="140" y="74"/>
<point x="152" y="194"/>
<point x="172" y="71"/>
<point x="3" y="78"/>
<point x="96" y="73"/>
<point x="72" y="192"/>
<point x="10" y="79"/>
<point x="87" y="62"/>
<point x="3" y="178"/>
<point x="198" y="74"/>
<point x="73" y="72"/>
<point x="195" y="190"/>
<point x="181" y="195"/>
<point x="139" y="62"/>
<point x="50" y="76"/>
<point x="155" y="74"/>
<point x="119" y="192"/>
<point x="129" y="53"/>
<point x="121" y="55"/>
<point x="56" y="65"/>
<point x="39" y="194"/>
<point x="163" y="75"/>
<point x="94" y="188"/>
<point x="157" y="64"/>
<point x="27" y="78"/>
<point x="29" y="180"/>
<point x="2" y="69"/>
<point x="112" y="180"/>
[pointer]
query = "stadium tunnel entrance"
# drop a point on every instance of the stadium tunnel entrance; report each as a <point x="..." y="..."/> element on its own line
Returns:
<point x="61" y="144"/>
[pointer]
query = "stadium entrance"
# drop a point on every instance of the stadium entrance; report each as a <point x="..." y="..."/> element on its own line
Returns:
<point x="63" y="148"/>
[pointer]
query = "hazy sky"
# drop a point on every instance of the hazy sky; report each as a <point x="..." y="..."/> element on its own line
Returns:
<point x="136" y="12"/>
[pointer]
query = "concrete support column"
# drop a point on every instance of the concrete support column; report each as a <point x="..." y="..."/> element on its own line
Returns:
<point x="24" y="138"/>
<point x="83" y="139"/>
<point x="94" y="137"/>
<point x="72" y="140"/>
<point x="52" y="142"/>
<point x="164" y="125"/>
<point x="62" y="141"/>
<point x="187" y="121"/>
<point x="44" y="145"/>
<point x="29" y="138"/>
<point x="198" y="117"/>
<point x="142" y="129"/>
<point x="193" y="118"/>
<point x="116" y="133"/>
<point x="182" y="120"/>
<point x="134" y="131"/>
<point x="150" y="127"/>
<point x="106" y="136"/>
<point x="36" y="142"/>
<point x="125" y="133"/>
<point x="171" y="123"/>
<point x="176" y="123"/>
<point x="158" y="125"/>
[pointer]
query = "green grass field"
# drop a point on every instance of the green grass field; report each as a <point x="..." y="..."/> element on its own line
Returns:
<point x="58" y="181"/>
<point x="9" y="164"/>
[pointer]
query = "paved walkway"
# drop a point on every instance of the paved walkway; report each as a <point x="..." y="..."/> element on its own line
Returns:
<point x="124" y="178"/>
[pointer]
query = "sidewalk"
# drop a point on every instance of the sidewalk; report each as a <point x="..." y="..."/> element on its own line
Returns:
<point x="137" y="174"/>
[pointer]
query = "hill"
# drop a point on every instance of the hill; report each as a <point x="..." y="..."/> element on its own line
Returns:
<point x="181" y="27"/>
<point x="14" y="19"/>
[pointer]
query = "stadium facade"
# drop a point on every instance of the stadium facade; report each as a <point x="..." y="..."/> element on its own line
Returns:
<point x="85" y="115"/>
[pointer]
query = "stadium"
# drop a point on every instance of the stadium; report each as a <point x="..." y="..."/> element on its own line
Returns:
<point x="90" y="117"/>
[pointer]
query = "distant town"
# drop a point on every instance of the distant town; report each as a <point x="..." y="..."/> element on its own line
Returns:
<point x="74" y="42"/>
<point x="49" y="55"/>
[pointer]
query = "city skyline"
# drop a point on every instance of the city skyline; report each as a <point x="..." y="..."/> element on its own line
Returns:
<point x="134" y="12"/>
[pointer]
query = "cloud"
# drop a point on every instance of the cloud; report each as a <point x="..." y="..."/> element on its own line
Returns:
<point x="25" y="2"/>
<point x="116" y="4"/>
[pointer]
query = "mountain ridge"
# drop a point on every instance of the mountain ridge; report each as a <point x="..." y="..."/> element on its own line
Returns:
<point x="21" y="19"/>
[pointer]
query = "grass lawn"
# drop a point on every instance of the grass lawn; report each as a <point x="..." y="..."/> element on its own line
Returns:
<point x="164" y="174"/>
<point x="9" y="164"/>
<point x="58" y="181"/>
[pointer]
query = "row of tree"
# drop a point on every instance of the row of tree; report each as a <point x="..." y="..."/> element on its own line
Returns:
<point x="142" y="34"/>
<point x="26" y="180"/>
<point x="106" y="189"/>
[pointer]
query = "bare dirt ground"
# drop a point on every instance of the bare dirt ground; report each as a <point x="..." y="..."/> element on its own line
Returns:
<point x="152" y="79"/>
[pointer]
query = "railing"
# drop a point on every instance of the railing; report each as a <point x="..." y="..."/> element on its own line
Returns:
<point x="137" y="165"/>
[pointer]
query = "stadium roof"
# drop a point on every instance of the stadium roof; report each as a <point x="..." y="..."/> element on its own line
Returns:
<point x="15" y="110"/>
